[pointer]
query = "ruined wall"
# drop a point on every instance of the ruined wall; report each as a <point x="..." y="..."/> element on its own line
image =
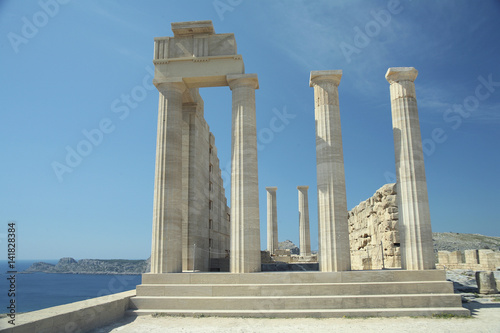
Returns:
<point x="476" y="260"/>
<point x="376" y="220"/>
<point x="373" y="227"/>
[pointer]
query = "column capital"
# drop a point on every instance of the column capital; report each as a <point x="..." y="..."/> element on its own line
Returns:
<point x="303" y="187"/>
<point x="175" y="83"/>
<point x="322" y="76"/>
<point x="271" y="188"/>
<point x="397" y="74"/>
<point x="242" y="80"/>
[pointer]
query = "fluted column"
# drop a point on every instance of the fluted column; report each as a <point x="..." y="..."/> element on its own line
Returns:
<point x="334" y="251"/>
<point x="304" y="233"/>
<point x="272" y="220"/>
<point x="417" y="252"/>
<point x="245" y="223"/>
<point x="166" y="250"/>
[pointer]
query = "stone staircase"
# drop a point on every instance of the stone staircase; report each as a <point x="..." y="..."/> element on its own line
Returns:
<point x="382" y="293"/>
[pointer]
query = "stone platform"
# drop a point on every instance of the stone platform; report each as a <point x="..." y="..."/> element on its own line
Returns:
<point x="383" y="293"/>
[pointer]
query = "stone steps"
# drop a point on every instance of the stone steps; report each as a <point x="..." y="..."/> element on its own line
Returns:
<point x="295" y="277"/>
<point x="308" y="313"/>
<point x="297" y="294"/>
<point x="294" y="302"/>
<point x="302" y="289"/>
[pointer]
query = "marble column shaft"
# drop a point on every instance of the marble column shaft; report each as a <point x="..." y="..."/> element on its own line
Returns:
<point x="245" y="223"/>
<point x="166" y="250"/>
<point x="417" y="251"/>
<point x="333" y="230"/>
<point x="272" y="220"/>
<point x="304" y="233"/>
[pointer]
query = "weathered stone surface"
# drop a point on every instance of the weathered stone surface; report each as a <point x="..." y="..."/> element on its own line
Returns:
<point x="477" y="260"/>
<point x="486" y="282"/>
<point x="245" y="225"/>
<point x="333" y="240"/>
<point x="304" y="231"/>
<point x="166" y="253"/>
<point x="373" y="226"/>
<point x="198" y="55"/>
<point x="205" y="220"/>
<point x="413" y="203"/>
<point x="272" y="220"/>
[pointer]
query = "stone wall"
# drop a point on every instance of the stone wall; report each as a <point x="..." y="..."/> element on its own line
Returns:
<point x="82" y="316"/>
<point x="205" y="219"/>
<point x="373" y="230"/>
<point x="476" y="260"/>
<point x="375" y="221"/>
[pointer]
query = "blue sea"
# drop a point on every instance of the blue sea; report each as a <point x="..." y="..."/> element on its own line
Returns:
<point x="39" y="290"/>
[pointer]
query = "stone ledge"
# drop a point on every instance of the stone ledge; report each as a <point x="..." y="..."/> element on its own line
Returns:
<point x="83" y="315"/>
<point x="308" y="313"/>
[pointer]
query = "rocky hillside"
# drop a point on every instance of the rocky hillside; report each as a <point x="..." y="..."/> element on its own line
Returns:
<point x="289" y="245"/>
<point x="451" y="241"/>
<point x="92" y="266"/>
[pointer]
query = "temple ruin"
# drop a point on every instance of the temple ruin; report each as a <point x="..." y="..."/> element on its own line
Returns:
<point x="189" y="202"/>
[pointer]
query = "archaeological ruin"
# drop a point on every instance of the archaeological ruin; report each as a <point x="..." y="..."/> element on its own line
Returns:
<point x="194" y="230"/>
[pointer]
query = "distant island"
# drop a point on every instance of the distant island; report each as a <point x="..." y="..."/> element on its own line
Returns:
<point x="92" y="266"/>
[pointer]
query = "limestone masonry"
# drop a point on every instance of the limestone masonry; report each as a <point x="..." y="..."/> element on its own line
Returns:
<point x="373" y="231"/>
<point x="475" y="260"/>
<point x="272" y="220"/>
<point x="374" y="235"/>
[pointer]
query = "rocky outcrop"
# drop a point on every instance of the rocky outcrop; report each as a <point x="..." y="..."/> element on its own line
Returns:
<point x="92" y="266"/>
<point x="373" y="231"/>
<point x="289" y="245"/>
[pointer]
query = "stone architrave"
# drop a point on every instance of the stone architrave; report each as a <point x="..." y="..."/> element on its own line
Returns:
<point x="245" y="224"/>
<point x="417" y="252"/>
<point x="166" y="253"/>
<point x="304" y="233"/>
<point x="333" y="229"/>
<point x="272" y="220"/>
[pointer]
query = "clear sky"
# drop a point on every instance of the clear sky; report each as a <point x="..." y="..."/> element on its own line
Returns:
<point x="66" y="66"/>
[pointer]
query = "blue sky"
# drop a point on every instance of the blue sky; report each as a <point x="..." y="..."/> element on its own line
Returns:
<point x="65" y="63"/>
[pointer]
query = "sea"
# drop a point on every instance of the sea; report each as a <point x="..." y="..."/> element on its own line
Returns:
<point x="36" y="291"/>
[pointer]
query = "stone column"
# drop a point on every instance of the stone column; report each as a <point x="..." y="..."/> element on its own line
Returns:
<point x="304" y="233"/>
<point x="196" y="195"/>
<point x="272" y="220"/>
<point x="417" y="252"/>
<point x="334" y="251"/>
<point x="245" y="223"/>
<point x="166" y="250"/>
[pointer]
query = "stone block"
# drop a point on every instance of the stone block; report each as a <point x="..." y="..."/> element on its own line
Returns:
<point x="486" y="282"/>
<point x="444" y="257"/>
<point x="471" y="257"/>
<point x="455" y="257"/>
<point x="366" y="263"/>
